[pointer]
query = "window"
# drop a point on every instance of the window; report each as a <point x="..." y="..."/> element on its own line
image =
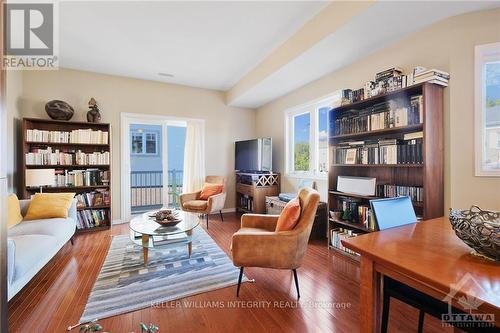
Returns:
<point x="307" y="138"/>
<point x="144" y="143"/>
<point x="487" y="109"/>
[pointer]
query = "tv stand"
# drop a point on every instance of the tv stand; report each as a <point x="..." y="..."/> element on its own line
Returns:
<point x="252" y="189"/>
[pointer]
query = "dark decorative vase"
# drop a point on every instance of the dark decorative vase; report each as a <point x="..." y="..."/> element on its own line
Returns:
<point x="59" y="110"/>
<point x="479" y="229"/>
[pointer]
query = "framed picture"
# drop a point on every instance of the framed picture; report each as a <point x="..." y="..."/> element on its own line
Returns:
<point x="350" y="156"/>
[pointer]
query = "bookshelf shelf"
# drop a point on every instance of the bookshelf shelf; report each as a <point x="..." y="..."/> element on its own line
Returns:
<point x="379" y="165"/>
<point x="65" y="188"/>
<point x="66" y="144"/>
<point x="102" y="217"/>
<point x="351" y="225"/>
<point x="71" y="166"/>
<point x="353" y="257"/>
<point x="402" y="129"/>
<point x="426" y="177"/>
<point x="94" y="207"/>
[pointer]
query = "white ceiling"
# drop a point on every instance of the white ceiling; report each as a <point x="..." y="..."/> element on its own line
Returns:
<point x="214" y="44"/>
<point x="358" y="38"/>
<point x="203" y="44"/>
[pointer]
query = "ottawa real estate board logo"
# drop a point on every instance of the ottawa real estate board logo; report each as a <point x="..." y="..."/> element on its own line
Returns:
<point x="30" y="32"/>
<point x="466" y="292"/>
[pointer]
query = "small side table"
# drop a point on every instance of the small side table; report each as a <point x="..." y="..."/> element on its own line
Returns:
<point x="320" y="227"/>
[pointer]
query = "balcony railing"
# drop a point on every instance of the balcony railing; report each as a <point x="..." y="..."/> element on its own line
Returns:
<point x="146" y="189"/>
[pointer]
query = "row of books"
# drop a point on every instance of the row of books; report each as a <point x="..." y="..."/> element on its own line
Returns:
<point x="91" y="218"/>
<point x="56" y="157"/>
<point x="388" y="151"/>
<point x="357" y="213"/>
<point x="93" y="199"/>
<point x="339" y="234"/>
<point x="88" y="177"/>
<point x="416" y="193"/>
<point x="381" y="116"/>
<point x="87" y="136"/>
<point x="393" y="79"/>
<point x="246" y="202"/>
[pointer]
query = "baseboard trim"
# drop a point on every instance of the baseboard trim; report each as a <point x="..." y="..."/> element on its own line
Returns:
<point x="229" y="210"/>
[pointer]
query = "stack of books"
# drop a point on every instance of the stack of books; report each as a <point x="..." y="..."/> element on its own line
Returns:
<point x="87" y="136"/>
<point x="93" y="199"/>
<point x="432" y="76"/>
<point x="416" y="193"/>
<point x="382" y="151"/>
<point x="91" y="218"/>
<point x="89" y="177"/>
<point x="337" y="235"/>
<point x="381" y="116"/>
<point x="57" y="157"/>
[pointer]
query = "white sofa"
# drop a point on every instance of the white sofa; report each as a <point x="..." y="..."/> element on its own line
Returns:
<point x="31" y="245"/>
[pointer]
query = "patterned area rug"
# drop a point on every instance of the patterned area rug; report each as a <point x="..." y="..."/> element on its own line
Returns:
<point x="125" y="284"/>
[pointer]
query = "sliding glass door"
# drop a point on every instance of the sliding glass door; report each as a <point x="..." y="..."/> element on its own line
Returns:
<point x="156" y="160"/>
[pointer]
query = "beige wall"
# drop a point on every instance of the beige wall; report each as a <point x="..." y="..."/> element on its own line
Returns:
<point x="223" y="124"/>
<point x="14" y="88"/>
<point x="447" y="45"/>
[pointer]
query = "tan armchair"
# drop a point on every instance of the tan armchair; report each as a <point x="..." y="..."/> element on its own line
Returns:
<point x="191" y="202"/>
<point x="256" y="244"/>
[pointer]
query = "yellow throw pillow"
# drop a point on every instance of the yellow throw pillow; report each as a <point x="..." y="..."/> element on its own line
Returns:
<point x="13" y="211"/>
<point x="49" y="205"/>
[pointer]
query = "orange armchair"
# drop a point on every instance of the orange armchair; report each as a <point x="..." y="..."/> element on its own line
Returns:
<point x="191" y="202"/>
<point x="257" y="244"/>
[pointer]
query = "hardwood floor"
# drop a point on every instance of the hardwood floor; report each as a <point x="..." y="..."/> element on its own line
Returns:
<point x="57" y="295"/>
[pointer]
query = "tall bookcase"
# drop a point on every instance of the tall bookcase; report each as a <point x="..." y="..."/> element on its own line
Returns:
<point x="101" y="212"/>
<point x="426" y="174"/>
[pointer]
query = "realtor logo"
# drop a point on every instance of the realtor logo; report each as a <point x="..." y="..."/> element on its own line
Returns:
<point x="469" y="302"/>
<point x="29" y="35"/>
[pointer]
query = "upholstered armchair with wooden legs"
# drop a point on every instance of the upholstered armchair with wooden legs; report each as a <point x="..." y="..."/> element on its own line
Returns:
<point x="257" y="244"/>
<point x="191" y="202"/>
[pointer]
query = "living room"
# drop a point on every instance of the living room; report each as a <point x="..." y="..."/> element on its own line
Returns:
<point x="251" y="166"/>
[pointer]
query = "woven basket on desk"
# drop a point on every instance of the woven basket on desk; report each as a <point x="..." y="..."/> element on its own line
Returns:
<point x="480" y="229"/>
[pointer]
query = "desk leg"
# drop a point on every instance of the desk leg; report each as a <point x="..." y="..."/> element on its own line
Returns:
<point x="190" y="244"/>
<point x="370" y="297"/>
<point x="145" y="241"/>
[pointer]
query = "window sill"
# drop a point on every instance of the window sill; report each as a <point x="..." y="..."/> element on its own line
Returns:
<point x="297" y="175"/>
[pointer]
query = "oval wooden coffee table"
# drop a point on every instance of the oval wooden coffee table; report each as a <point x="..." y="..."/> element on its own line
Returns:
<point x="145" y="232"/>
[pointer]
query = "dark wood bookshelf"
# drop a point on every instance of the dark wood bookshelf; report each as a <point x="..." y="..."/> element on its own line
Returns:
<point x="429" y="174"/>
<point x="68" y="126"/>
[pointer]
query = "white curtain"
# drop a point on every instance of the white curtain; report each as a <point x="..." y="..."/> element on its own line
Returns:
<point x="194" y="157"/>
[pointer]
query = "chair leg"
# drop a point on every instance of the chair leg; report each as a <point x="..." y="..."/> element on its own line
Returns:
<point x="421" y="321"/>
<point x="239" y="282"/>
<point x="296" y="282"/>
<point x="385" y="313"/>
<point x="207" y="220"/>
<point x="221" y="217"/>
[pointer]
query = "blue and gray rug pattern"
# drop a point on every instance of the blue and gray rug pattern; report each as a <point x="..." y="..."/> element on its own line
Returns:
<point x="125" y="284"/>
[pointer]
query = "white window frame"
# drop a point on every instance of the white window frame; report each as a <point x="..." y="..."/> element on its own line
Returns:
<point x="312" y="108"/>
<point x="143" y="135"/>
<point x="482" y="54"/>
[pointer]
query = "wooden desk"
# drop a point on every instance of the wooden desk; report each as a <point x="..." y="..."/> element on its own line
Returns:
<point x="429" y="257"/>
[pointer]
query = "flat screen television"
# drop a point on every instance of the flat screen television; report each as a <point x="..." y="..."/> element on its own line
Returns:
<point x="253" y="155"/>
